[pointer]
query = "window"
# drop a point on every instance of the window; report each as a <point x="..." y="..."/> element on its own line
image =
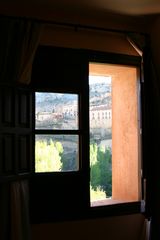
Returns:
<point x="86" y="134"/>
<point x="114" y="143"/>
<point x="57" y="135"/>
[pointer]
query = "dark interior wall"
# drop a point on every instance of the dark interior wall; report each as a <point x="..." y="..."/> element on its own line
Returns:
<point x="93" y="18"/>
<point x="129" y="227"/>
<point x="155" y="128"/>
<point x="104" y="41"/>
<point x="155" y="40"/>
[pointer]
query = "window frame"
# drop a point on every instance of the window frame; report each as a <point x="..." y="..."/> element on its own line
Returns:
<point x="77" y="132"/>
<point x="135" y="195"/>
<point x="85" y="211"/>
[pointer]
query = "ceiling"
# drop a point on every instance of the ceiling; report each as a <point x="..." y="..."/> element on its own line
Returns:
<point x="133" y="15"/>
<point x="125" y="7"/>
<point x="129" y="7"/>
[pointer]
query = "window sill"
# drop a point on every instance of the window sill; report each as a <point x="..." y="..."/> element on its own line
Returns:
<point x="108" y="201"/>
<point x="115" y="208"/>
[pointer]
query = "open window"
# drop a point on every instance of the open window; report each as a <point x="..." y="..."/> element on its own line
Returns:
<point x="86" y="133"/>
<point x="115" y="142"/>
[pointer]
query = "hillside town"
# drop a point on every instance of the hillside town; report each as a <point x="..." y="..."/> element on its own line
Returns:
<point x="100" y="116"/>
<point x="60" y="111"/>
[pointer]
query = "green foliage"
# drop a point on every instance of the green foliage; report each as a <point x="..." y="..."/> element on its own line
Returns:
<point x="70" y="161"/>
<point x="59" y="147"/>
<point x="48" y="156"/>
<point x="97" y="195"/>
<point x="93" y="154"/>
<point x="101" y="172"/>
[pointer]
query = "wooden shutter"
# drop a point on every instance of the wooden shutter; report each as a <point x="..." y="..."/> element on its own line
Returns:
<point x="15" y="132"/>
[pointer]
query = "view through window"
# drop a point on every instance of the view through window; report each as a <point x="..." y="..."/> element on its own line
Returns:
<point x="100" y="137"/>
<point x="115" y="166"/>
<point x="57" y="139"/>
<point x="114" y="134"/>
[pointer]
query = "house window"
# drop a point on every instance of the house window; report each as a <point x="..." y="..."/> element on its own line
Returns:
<point x="115" y="142"/>
<point x="86" y="133"/>
<point x="56" y="132"/>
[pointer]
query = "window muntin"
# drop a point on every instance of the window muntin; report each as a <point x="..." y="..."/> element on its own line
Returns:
<point x="56" y="132"/>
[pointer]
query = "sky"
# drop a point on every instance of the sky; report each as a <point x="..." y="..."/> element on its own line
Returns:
<point x="99" y="79"/>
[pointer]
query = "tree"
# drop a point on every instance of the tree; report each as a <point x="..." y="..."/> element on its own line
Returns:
<point x="97" y="194"/>
<point x="93" y="154"/>
<point x="104" y="164"/>
<point x="101" y="172"/>
<point x="48" y="156"/>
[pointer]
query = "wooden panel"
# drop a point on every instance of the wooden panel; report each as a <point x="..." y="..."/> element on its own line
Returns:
<point x="59" y="68"/>
<point x="125" y="155"/>
<point x="1" y="147"/>
<point x="15" y="130"/>
<point x="7" y="107"/>
<point x="57" y="196"/>
<point x="23" y="109"/>
<point x="8" y="153"/>
<point x="24" y="153"/>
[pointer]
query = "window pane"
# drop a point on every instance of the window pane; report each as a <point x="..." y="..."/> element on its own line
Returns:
<point x="56" y="111"/>
<point x="100" y="138"/>
<point x="56" y="153"/>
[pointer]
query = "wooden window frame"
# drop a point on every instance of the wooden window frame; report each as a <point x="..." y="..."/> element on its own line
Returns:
<point x="80" y="206"/>
<point x="76" y="132"/>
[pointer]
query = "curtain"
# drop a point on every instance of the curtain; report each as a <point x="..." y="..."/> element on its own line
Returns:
<point x="20" y="226"/>
<point x="151" y="133"/>
<point x="18" y="43"/>
<point x="4" y="211"/>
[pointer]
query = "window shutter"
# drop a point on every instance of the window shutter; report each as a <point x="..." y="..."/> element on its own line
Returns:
<point x="16" y="132"/>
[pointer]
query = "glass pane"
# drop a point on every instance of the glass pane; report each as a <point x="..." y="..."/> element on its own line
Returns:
<point x="56" y="153"/>
<point x="56" y="111"/>
<point x="100" y="138"/>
